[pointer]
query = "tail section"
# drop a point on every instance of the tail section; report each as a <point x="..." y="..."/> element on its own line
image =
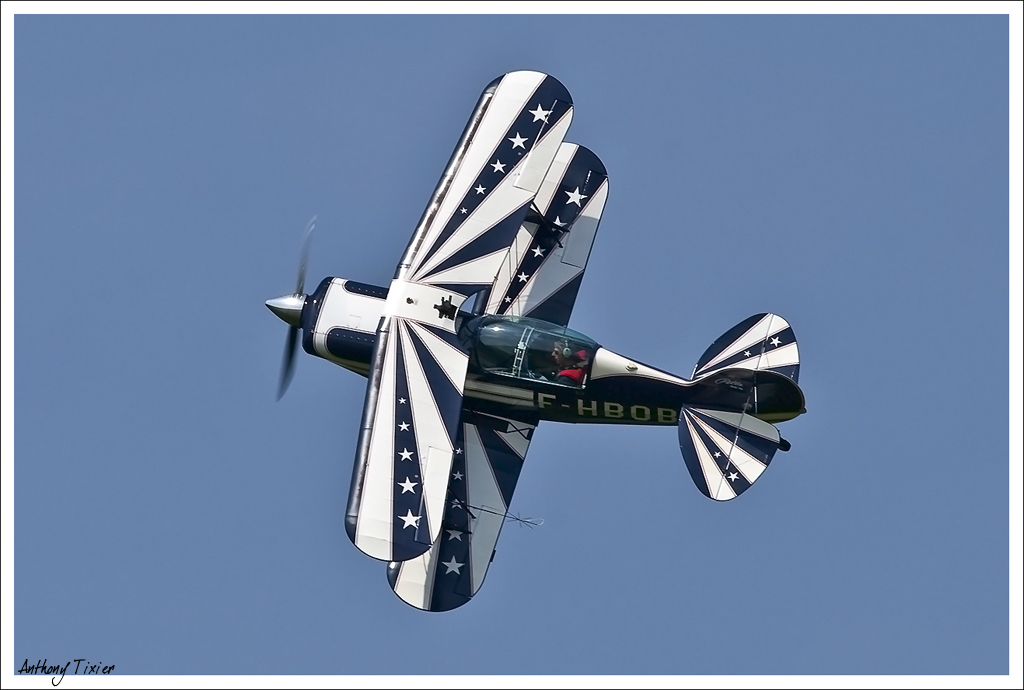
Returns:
<point x="744" y="381"/>
<point x="764" y="342"/>
<point x="725" y="452"/>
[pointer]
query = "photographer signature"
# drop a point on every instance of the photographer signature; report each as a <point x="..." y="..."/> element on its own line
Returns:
<point x="42" y="668"/>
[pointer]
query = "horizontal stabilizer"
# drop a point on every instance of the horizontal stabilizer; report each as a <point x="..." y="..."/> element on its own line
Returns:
<point x="725" y="452"/>
<point x="764" y="342"/>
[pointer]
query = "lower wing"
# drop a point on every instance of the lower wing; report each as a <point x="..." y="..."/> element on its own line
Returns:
<point x="541" y="275"/>
<point x="489" y="455"/>
<point x="406" y="440"/>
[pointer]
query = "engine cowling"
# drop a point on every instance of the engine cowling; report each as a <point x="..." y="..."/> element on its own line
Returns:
<point x="340" y="320"/>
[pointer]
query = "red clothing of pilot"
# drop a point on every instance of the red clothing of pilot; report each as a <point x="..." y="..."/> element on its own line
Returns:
<point x="575" y="376"/>
<point x="573" y="371"/>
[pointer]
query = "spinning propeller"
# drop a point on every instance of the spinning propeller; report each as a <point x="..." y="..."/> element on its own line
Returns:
<point x="289" y="309"/>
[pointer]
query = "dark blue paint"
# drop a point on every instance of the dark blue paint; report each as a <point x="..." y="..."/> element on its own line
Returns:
<point x="349" y="344"/>
<point x="366" y="289"/>
<point x="408" y="542"/>
<point x="452" y="590"/>
<point x="505" y="462"/>
<point x="557" y="308"/>
<point x="496" y="238"/>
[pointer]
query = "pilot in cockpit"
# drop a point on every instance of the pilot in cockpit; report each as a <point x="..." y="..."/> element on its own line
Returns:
<point x="570" y="364"/>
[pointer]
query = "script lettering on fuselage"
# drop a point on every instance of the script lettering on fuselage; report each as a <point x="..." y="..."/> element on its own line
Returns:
<point x="732" y="383"/>
<point x="606" y="409"/>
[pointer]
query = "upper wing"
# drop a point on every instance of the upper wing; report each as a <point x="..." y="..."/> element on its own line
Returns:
<point x="489" y="457"/>
<point x="491" y="180"/>
<point x="415" y="387"/>
<point x="543" y="270"/>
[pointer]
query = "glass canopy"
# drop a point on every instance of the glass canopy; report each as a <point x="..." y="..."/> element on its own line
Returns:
<point x="528" y="349"/>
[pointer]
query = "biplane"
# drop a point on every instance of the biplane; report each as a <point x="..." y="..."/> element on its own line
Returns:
<point x="468" y="350"/>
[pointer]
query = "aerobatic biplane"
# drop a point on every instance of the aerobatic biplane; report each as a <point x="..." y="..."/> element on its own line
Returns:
<point x="468" y="350"/>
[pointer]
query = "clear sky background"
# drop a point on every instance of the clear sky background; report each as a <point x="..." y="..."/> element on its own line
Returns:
<point x="847" y="173"/>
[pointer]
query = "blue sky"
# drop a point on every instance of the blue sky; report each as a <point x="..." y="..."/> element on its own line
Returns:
<point x="846" y="172"/>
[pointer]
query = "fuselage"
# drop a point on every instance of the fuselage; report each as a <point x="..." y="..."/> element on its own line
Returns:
<point x="514" y="367"/>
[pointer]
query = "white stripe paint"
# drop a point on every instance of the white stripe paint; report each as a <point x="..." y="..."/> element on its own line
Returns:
<point x="749" y="466"/>
<point x="717" y="486"/>
<point x="584" y="229"/>
<point x="485" y="503"/>
<point x="538" y="161"/>
<point x="375" y="518"/>
<point x="746" y="422"/>
<point x="769" y="325"/>
<point x="517" y="440"/>
<point x="508" y="267"/>
<point x="608" y="363"/>
<point x="454" y="362"/>
<point x="499" y="392"/>
<point x="787" y="355"/>
<point x="482" y="269"/>
<point x="546" y="193"/>
<point x="415" y="583"/>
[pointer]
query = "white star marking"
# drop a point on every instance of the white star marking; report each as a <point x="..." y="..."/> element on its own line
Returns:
<point x="539" y="113"/>
<point x="401" y="401"/>
<point x="746" y="353"/>
<point x="508" y="299"/>
<point x="717" y="454"/>
<point x="498" y="166"/>
<point x="458" y="451"/>
<point x="463" y="211"/>
<point x="407" y="485"/>
<point x="457" y="475"/>
<point x="404" y="426"/>
<point x="406" y="454"/>
<point x="733" y="476"/>
<point x="558" y="221"/>
<point x="454" y="534"/>
<point x="537" y="251"/>
<point x="775" y="341"/>
<point x="456" y="504"/>
<point x="576" y="197"/>
<point x="522" y="277"/>
<point x="453" y="566"/>
<point x="410" y="520"/>
<point x="518" y="142"/>
<point x="480" y="189"/>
